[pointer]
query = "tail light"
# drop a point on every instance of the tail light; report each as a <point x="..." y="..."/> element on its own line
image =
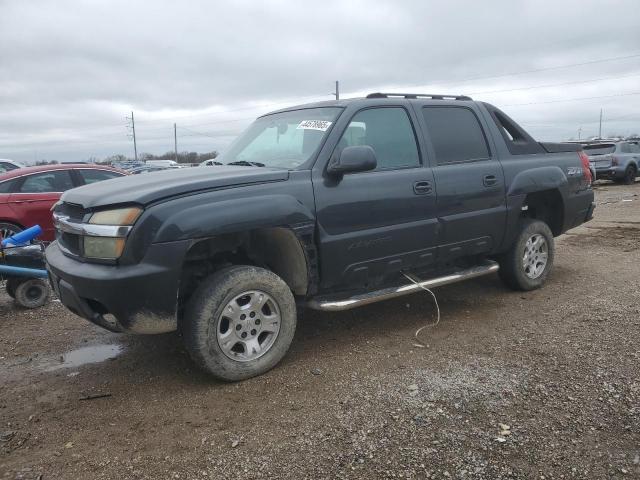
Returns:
<point x="586" y="170"/>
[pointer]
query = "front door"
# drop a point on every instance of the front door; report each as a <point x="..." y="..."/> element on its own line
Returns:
<point x="373" y="224"/>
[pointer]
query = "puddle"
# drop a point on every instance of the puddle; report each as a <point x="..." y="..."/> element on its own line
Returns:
<point x="86" y="355"/>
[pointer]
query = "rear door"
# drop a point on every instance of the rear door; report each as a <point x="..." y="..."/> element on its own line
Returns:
<point x="34" y="196"/>
<point x="469" y="180"/>
<point x="373" y="224"/>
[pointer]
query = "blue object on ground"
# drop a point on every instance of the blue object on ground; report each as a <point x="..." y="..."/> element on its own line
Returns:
<point x="23" y="272"/>
<point x="23" y="237"/>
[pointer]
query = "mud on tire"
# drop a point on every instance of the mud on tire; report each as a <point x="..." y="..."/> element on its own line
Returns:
<point x="240" y="322"/>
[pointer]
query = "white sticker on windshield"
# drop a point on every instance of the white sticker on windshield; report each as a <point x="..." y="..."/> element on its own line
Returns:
<point x="321" y="125"/>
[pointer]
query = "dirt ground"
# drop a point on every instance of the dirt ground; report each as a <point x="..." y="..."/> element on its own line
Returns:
<point x="543" y="384"/>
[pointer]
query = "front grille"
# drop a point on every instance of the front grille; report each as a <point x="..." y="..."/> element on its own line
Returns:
<point x="69" y="242"/>
<point x="75" y="212"/>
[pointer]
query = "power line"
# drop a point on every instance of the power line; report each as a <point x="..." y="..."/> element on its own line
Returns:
<point x="535" y="70"/>
<point x="555" y="84"/>
<point x="197" y="133"/>
<point x="573" y="99"/>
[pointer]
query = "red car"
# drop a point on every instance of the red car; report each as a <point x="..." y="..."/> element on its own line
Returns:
<point x="27" y="194"/>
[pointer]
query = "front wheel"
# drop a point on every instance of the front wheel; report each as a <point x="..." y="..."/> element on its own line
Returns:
<point x="8" y="229"/>
<point x="32" y="293"/>
<point x="240" y="322"/>
<point x="528" y="262"/>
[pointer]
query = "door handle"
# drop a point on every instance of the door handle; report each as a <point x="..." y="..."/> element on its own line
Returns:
<point x="489" y="180"/>
<point x="422" y="188"/>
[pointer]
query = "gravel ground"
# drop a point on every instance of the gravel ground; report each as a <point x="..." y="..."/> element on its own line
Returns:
<point x="544" y="384"/>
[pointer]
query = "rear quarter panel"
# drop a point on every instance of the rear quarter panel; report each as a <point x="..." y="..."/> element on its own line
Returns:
<point x="529" y="173"/>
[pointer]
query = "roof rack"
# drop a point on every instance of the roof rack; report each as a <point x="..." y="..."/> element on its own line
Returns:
<point x="419" y="95"/>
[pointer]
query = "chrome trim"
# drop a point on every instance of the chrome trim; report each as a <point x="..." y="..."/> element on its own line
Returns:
<point x="335" y="305"/>
<point x="64" y="224"/>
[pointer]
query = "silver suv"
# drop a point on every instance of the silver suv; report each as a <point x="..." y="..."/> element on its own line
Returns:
<point x="617" y="161"/>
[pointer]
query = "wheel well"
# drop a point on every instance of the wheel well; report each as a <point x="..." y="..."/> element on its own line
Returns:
<point x="12" y="222"/>
<point x="276" y="249"/>
<point x="548" y="207"/>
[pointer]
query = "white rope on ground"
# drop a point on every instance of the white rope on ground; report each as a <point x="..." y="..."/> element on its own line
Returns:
<point x="417" y="283"/>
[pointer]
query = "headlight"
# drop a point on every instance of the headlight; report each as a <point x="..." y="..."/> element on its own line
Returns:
<point x="103" y="247"/>
<point x="120" y="216"/>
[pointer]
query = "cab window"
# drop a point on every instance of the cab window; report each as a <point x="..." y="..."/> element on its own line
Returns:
<point x="389" y="132"/>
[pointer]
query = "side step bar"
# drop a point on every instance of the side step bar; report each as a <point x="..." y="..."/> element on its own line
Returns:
<point x="333" y="304"/>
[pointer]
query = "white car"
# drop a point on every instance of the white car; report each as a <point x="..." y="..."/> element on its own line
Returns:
<point x="209" y="163"/>
<point x="163" y="163"/>
<point x="7" y="165"/>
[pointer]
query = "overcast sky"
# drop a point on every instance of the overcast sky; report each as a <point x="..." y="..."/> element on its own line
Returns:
<point x="70" y="71"/>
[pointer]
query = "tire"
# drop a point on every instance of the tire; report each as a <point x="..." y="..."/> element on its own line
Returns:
<point x="630" y="175"/>
<point x="520" y="273"/>
<point x="11" y="285"/>
<point x="8" y="229"/>
<point x="220" y="312"/>
<point x="32" y="293"/>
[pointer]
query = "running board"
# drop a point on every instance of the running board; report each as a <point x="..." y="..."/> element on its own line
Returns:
<point x="334" y="304"/>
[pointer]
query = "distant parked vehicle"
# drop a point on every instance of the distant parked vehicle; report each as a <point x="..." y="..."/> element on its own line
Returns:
<point x="209" y="163"/>
<point x="27" y="194"/>
<point x="127" y="165"/>
<point x="617" y="161"/>
<point x="163" y="163"/>
<point x="146" y="169"/>
<point x="7" y="165"/>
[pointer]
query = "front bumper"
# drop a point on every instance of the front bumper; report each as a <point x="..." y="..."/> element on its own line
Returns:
<point x="140" y="298"/>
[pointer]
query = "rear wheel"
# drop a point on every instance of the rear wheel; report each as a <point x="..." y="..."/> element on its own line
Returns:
<point x="528" y="262"/>
<point x="240" y="322"/>
<point x="8" y="229"/>
<point x="32" y="293"/>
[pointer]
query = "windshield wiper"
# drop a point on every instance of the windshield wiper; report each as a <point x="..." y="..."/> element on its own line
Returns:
<point x="245" y="163"/>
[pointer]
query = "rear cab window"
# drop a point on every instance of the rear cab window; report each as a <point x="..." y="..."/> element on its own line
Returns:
<point x="456" y="134"/>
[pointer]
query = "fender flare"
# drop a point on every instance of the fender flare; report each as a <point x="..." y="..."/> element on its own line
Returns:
<point x="537" y="180"/>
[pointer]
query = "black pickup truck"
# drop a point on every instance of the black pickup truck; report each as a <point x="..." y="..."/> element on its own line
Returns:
<point x="330" y="206"/>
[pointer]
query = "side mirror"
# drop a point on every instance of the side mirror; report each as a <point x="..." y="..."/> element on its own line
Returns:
<point x="359" y="158"/>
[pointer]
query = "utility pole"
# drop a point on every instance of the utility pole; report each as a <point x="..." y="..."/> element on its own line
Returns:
<point x="579" y="132"/>
<point x="175" y="140"/>
<point x="600" y="129"/>
<point x="133" y="128"/>
<point x="337" y="94"/>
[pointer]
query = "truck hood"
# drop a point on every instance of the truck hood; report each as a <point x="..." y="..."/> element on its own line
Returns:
<point x="148" y="188"/>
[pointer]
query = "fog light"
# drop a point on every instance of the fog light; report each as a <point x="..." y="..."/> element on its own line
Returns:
<point x="103" y="247"/>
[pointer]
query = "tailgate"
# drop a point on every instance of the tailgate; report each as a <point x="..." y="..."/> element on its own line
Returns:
<point x="600" y="162"/>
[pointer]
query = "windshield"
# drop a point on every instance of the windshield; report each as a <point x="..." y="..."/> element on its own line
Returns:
<point x="281" y="140"/>
<point x="599" y="149"/>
